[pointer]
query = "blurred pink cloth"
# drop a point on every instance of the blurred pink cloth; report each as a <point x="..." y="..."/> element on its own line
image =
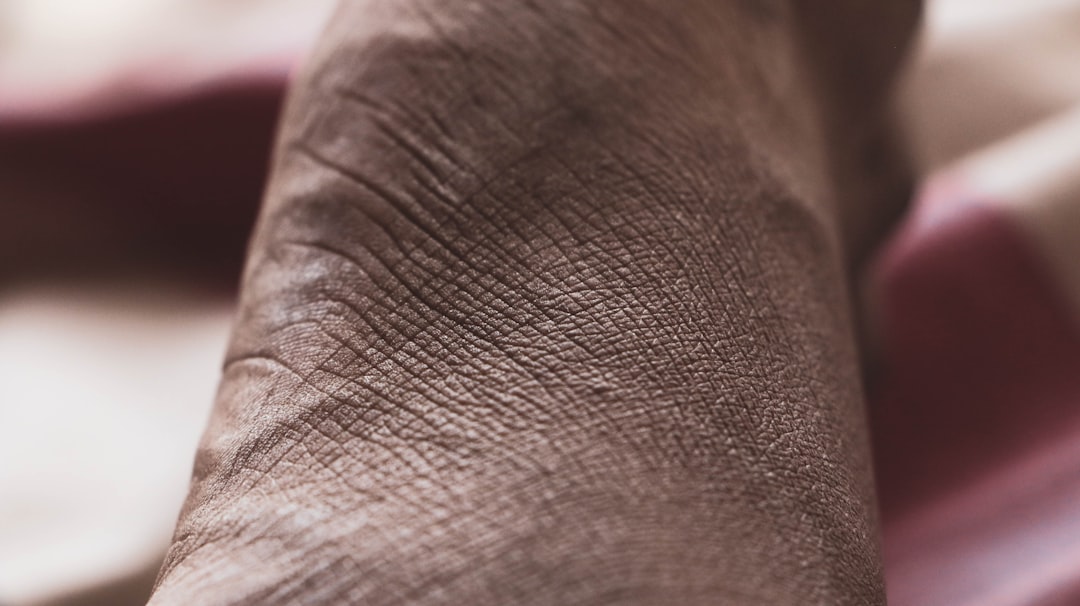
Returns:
<point x="976" y="414"/>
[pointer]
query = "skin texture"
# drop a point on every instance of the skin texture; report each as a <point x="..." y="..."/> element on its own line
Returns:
<point x="548" y="304"/>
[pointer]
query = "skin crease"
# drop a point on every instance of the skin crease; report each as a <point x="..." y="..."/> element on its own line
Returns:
<point x="547" y="304"/>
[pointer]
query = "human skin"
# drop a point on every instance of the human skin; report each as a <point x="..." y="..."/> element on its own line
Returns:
<point x="548" y="304"/>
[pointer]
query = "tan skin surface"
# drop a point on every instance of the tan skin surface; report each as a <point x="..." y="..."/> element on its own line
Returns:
<point x="548" y="304"/>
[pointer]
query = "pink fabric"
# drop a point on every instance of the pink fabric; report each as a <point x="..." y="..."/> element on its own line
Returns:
<point x="976" y="420"/>
<point x="179" y="174"/>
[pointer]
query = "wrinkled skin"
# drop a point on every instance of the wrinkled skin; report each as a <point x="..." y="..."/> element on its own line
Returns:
<point x="548" y="304"/>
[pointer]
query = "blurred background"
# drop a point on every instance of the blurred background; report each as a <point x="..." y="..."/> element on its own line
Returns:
<point x="134" y="140"/>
